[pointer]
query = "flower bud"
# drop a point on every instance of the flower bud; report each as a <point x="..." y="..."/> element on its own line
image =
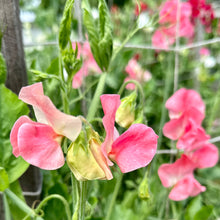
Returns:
<point x="143" y="190"/>
<point x="125" y="114"/>
<point x="85" y="159"/>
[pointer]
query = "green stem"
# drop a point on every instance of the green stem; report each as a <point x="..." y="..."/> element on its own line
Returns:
<point x="74" y="191"/>
<point x="82" y="203"/>
<point x="6" y="208"/>
<point x="22" y="205"/>
<point x="114" y="196"/>
<point x="96" y="98"/>
<point x="129" y="36"/>
<point x="55" y="196"/>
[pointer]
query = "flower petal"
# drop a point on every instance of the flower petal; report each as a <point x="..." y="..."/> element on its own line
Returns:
<point x="47" y="113"/>
<point x="170" y="174"/>
<point x="38" y="146"/>
<point x="186" y="187"/>
<point x="110" y="104"/>
<point x="14" y="133"/>
<point x="135" y="148"/>
<point x="206" y="156"/>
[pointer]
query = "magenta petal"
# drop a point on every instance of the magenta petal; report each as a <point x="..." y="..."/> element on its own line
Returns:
<point x="14" y="133"/>
<point x="186" y="187"/>
<point x="135" y="148"/>
<point x="110" y="104"/>
<point x="170" y="174"/>
<point x="206" y="156"/>
<point x="38" y="145"/>
<point x="47" y="113"/>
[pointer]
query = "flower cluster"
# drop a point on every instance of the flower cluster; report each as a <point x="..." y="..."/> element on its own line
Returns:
<point x="135" y="72"/>
<point x="39" y="143"/>
<point x="89" y="64"/>
<point x="186" y="112"/>
<point x="187" y="13"/>
<point x="134" y="149"/>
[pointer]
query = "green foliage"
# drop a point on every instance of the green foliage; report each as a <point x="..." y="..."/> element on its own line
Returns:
<point x="100" y="36"/>
<point x="4" y="183"/>
<point x="2" y="69"/>
<point x="65" y="30"/>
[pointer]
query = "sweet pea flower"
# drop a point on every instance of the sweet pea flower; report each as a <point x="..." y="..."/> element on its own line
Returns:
<point x="204" y="52"/>
<point x="179" y="175"/>
<point x="135" y="72"/>
<point x="89" y="64"/>
<point x="184" y="105"/>
<point x="39" y="142"/>
<point x="135" y="148"/>
<point x="143" y="8"/>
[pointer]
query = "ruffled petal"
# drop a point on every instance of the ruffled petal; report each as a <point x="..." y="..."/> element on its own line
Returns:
<point x="110" y="104"/>
<point x="174" y="128"/>
<point x="170" y="174"/>
<point x="14" y="133"/>
<point x="206" y="156"/>
<point x="38" y="145"/>
<point x="186" y="187"/>
<point x="135" y="148"/>
<point x="47" y="113"/>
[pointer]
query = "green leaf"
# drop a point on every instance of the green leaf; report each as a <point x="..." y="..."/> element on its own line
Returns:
<point x="65" y="26"/>
<point x="11" y="109"/>
<point x="54" y="67"/>
<point x="4" y="183"/>
<point x="193" y="207"/>
<point x="204" y="213"/>
<point x="14" y="167"/>
<point x="105" y="34"/>
<point x="2" y="69"/>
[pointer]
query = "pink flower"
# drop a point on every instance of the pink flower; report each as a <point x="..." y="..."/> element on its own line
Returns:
<point x="184" y="105"/>
<point x="179" y="175"/>
<point x="135" y="72"/>
<point x="135" y="148"/>
<point x="39" y="142"/>
<point x="166" y="33"/>
<point x="89" y="64"/>
<point x="204" y="52"/>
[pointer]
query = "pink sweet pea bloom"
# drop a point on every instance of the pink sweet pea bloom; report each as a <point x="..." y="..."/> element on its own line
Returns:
<point x="135" y="72"/>
<point x="89" y="64"/>
<point x="184" y="105"/>
<point x="135" y="148"/>
<point x="179" y="175"/>
<point x="204" y="52"/>
<point x="39" y="142"/>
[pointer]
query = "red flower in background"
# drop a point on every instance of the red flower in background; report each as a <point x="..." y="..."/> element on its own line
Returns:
<point x="143" y="8"/>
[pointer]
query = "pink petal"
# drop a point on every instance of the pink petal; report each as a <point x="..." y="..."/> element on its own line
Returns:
<point x="206" y="156"/>
<point x="186" y="187"/>
<point x="182" y="100"/>
<point x="174" y="128"/>
<point x="135" y="148"/>
<point x="38" y="145"/>
<point x="170" y="174"/>
<point x="110" y="104"/>
<point x="47" y="113"/>
<point x="14" y="133"/>
<point x="193" y="138"/>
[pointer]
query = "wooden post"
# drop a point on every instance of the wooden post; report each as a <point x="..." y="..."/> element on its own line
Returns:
<point x="12" y="45"/>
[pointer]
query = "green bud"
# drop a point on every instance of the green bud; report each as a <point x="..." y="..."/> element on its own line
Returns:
<point x="125" y="114"/>
<point x="84" y="156"/>
<point x="143" y="191"/>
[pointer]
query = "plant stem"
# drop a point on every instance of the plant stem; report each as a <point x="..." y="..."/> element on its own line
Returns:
<point x="6" y="208"/>
<point x="82" y="200"/>
<point x="114" y="196"/>
<point x="96" y="98"/>
<point x="22" y="205"/>
<point x="56" y="196"/>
